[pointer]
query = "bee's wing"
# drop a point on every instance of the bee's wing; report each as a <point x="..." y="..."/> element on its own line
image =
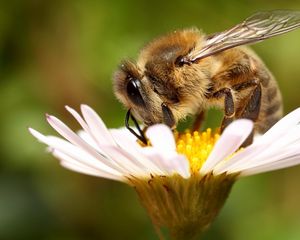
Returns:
<point x="257" y="27"/>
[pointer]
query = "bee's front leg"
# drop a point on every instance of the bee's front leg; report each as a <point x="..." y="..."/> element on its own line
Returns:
<point x="229" y="109"/>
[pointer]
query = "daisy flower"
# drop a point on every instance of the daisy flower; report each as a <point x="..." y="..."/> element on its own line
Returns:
<point x="182" y="179"/>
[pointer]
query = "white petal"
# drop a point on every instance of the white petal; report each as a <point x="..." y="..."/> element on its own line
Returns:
<point x="69" y="163"/>
<point x="269" y="150"/>
<point x="292" y="161"/>
<point x="161" y="137"/>
<point x="123" y="131"/>
<point x="286" y="138"/>
<point x="78" y="118"/>
<point x="73" y="167"/>
<point x="89" y="140"/>
<point x="130" y="146"/>
<point x="125" y="160"/>
<point x="181" y="165"/>
<point x="124" y="138"/>
<point x="87" y="131"/>
<point x="169" y="163"/>
<point x="239" y="158"/>
<point x="99" y="130"/>
<point x="76" y="153"/>
<point x="283" y="124"/>
<point x="268" y="159"/>
<point x="155" y="158"/>
<point x="231" y="139"/>
<point x="67" y="133"/>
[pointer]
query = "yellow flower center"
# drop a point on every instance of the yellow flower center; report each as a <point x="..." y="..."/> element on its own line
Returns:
<point x="196" y="146"/>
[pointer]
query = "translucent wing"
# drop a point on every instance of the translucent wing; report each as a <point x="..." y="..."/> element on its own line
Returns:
<point x="257" y="27"/>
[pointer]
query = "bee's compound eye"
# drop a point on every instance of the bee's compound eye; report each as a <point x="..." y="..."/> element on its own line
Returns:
<point x="133" y="92"/>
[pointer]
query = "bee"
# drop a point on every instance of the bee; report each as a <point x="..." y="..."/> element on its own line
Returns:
<point x="187" y="72"/>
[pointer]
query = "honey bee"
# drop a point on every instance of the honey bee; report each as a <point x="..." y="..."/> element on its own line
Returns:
<point x="187" y="72"/>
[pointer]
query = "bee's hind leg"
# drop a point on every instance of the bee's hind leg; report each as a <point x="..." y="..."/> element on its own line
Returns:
<point x="251" y="111"/>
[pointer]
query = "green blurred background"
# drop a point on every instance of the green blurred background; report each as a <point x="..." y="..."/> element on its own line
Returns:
<point x="54" y="53"/>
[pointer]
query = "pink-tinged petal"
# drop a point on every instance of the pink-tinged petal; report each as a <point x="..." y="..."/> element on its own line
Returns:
<point x="73" y="165"/>
<point x="231" y="139"/>
<point x="84" y="126"/>
<point x="77" y="153"/>
<point x="67" y="133"/>
<point x="79" y="119"/>
<point x="161" y="137"/>
<point x="272" y="166"/>
<point x="99" y="130"/>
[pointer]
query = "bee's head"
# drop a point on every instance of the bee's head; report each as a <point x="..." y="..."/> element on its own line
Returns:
<point x="137" y="93"/>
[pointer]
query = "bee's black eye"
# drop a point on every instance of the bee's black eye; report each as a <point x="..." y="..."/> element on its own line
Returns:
<point x="133" y="91"/>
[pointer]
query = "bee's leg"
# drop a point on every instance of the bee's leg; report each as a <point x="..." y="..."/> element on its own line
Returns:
<point x="198" y="121"/>
<point x="251" y="110"/>
<point x="252" y="107"/>
<point x="229" y="109"/>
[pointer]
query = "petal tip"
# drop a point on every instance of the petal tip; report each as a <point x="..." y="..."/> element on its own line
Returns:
<point x="49" y="117"/>
<point x="84" y="106"/>
<point x="240" y="124"/>
<point x="68" y="108"/>
<point x="35" y="134"/>
<point x="31" y="130"/>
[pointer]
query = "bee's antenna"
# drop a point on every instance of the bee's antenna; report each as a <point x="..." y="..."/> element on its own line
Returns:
<point x="139" y="136"/>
